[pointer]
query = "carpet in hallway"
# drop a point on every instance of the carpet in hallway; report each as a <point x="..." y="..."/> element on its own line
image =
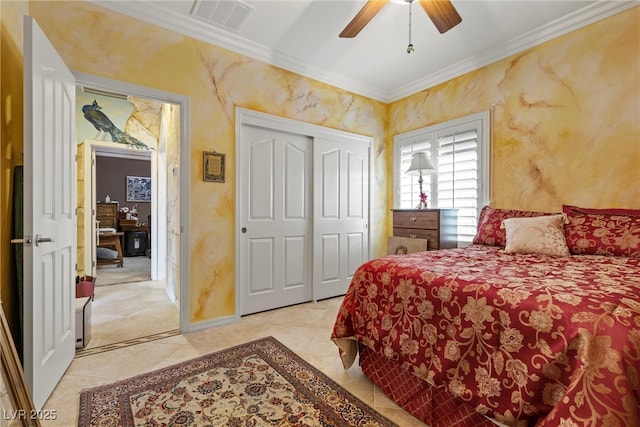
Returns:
<point x="257" y="383"/>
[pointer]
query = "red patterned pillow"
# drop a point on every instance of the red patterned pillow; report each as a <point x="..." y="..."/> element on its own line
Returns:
<point x="490" y="232"/>
<point x="612" y="232"/>
<point x="606" y="211"/>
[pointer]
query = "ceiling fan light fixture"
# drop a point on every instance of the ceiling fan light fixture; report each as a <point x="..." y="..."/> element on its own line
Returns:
<point x="441" y="12"/>
<point x="410" y="48"/>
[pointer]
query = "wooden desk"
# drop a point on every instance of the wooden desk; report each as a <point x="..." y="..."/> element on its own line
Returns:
<point x="134" y="227"/>
<point x="111" y="240"/>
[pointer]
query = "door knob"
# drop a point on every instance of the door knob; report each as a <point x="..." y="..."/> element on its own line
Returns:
<point x="27" y="240"/>
<point x="42" y="239"/>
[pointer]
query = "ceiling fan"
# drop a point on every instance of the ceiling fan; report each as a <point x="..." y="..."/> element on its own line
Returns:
<point x="442" y="13"/>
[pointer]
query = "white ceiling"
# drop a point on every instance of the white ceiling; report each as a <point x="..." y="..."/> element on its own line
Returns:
<point x="302" y="36"/>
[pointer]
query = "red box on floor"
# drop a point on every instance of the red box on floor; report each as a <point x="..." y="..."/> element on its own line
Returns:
<point x="85" y="287"/>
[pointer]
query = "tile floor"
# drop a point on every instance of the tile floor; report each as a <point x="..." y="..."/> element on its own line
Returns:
<point x="304" y="328"/>
<point x="129" y="305"/>
<point x="134" y="269"/>
<point x="130" y="310"/>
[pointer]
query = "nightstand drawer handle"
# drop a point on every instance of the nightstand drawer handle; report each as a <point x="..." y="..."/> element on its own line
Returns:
<point x="412" y="218"/>
<point x="413" y="236"/>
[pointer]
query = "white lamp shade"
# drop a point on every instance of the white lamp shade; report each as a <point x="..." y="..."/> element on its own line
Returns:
<point x="420" y="164"/>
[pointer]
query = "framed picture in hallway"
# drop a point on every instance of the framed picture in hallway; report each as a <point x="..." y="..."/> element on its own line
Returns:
<point x="138" y="189"/>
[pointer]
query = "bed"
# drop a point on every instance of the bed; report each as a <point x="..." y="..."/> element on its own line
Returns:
<point x="536" y="323"/>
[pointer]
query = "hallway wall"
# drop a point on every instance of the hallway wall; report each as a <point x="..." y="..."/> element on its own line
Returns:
<point x="111" y="179"/>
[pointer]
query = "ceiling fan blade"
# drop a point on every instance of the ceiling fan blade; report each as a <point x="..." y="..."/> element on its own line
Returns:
<point x="366" y="14"/>
<point x="442" y="13"/>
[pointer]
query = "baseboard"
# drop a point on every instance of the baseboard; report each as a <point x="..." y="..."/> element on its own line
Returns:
<point x="197" y="326"/>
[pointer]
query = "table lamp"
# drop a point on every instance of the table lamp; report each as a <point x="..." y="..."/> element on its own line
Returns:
<point x="420" y="164"/>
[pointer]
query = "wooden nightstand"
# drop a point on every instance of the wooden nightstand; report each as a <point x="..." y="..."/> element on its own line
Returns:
<point x="439" y="226"/>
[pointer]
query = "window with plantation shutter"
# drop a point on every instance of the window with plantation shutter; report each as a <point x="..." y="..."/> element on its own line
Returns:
<point x="460" y="151"/>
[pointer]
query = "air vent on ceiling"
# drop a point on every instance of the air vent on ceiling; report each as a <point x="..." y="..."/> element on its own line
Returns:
<point x="229" y="14"/>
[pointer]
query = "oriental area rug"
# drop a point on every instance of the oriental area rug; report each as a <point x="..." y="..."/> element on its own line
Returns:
<point x="260" y="383"/>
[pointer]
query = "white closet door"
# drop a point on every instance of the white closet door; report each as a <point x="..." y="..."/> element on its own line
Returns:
<point x="275" y="239"/>
<point x="340" y="212"/>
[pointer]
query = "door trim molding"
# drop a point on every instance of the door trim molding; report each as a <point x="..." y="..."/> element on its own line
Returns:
<point x="255" y="118"/>
<point x="183" y="101"/>
<point x="92" y="148"/>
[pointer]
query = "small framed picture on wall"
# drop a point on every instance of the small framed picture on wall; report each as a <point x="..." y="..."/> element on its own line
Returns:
<point x="213" y="168"/>
<point x="138" y="189"/>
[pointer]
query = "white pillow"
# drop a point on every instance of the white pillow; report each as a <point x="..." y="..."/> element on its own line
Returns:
<point x="543" y="235"/>
<point x="106" y="253"/>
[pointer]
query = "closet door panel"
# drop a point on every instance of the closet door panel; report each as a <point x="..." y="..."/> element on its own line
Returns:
<point x="262" y="180"/>
<point x="341" y="213"/>
<point x="275" y="243"/>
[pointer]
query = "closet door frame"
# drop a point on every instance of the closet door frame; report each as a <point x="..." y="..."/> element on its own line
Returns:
<point x="255" y="118"/>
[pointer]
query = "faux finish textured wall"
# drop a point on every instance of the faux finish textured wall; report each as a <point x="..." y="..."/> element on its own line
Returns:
<point x="11" y="106"/>
<point x="97" y="41"/>
<point x="566" y="119"/>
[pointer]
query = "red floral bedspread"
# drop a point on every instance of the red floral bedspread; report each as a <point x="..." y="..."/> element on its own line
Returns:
<point x="551" y="340"/>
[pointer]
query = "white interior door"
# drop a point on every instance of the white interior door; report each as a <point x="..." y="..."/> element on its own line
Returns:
<point x="340" y="214"/>
<point x="275" y="239"/>
<point x="49" y="214"/>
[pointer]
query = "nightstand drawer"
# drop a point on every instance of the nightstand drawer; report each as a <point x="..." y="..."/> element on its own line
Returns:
<point x="431" y="235"/>
<point x="438" y="226"/>
<point x="428" y="220"/>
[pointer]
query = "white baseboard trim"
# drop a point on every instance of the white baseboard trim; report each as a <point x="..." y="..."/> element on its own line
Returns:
<point x="205" y="324"/>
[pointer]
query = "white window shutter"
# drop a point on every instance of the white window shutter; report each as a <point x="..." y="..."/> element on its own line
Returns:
<point x="458" y="178"/>
<point x="409" y="187"/>
<point x="459" y="149"/>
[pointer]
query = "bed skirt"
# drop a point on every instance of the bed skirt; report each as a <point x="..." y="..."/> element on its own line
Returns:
<point x="435" y="407"/>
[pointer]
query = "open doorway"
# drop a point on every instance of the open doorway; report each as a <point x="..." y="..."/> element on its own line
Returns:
<point x="115" y="172"/>
<point x="132" y="171"/>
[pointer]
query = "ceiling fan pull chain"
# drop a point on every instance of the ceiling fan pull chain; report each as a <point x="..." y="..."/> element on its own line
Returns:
<point x="410" y="46"/>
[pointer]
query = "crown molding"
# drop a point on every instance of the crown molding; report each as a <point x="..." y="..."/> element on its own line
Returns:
<point x="168" y="19"/>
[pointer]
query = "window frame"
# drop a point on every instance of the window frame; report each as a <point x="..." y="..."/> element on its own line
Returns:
<point x="429" y="133"/>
